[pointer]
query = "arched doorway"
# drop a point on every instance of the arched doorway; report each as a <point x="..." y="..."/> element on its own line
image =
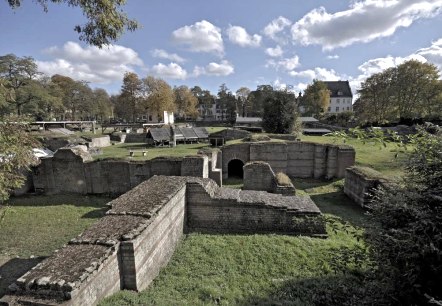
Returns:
<point x="234" y="168"/>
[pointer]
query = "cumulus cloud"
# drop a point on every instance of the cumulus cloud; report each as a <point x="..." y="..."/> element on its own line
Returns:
<point x="364" y="21"/>
<point x="170" y="71"/>
<point x="317" y="73"/>
<point x="286" y="64"/>
<point x="200" y="37"/>
<point x="101" y="66"/>
<point x="239" y="36"/>
<point x="160" y="53"/>
<point x="433" y="54"/>
<point x="274" y="52"/>
<point x="335" y="56"/>
<point x="275" y="27"/>
<point x="223" y="68"/>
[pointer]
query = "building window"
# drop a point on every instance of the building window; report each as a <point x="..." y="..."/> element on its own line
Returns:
<point x="337" y="108"/>
<point x="338" y="100"/>
<point x="329" y="109"/>
<point x="348" y="108"/>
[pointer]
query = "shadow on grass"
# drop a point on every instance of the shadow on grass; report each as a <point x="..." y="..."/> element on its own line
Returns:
<point x="338" y="204"/>
<point x="60" y="199"/>
<point x="13" y="269"/>
<point x="326" y="290"/>
<point x="309" y="183"/>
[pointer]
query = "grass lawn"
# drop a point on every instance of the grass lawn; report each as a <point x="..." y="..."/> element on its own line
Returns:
<point x="256" y="269"/>
<point x="211" y="269"/>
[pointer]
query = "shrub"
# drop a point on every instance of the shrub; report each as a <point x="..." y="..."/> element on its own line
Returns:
<point x="282" y="179"/>
<point x="408" y="241"/>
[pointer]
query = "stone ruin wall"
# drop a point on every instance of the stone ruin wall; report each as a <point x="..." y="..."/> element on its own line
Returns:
<point x="128" y="246"/>
<point x="73" y="171"/>
<point x="259" y="175"/>
<point x="360" y="182"/>
<point x="296" y="159"/>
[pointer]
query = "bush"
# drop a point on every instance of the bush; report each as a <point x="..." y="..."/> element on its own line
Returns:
<point x="282" y="179"/>
<point x="408" y="241"/>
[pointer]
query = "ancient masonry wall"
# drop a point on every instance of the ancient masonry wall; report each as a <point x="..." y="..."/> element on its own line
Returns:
<point x="74" y="171"/>
<point x="296" y="159"/>
<point x="360" y="182"/>
<point x="138" y="235"/>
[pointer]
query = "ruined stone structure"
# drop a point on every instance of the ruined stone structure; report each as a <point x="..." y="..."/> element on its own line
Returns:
<point x="296" y="159"/>
<point x="260" y="176"/>
<point x="138" y="235"/>
<point x="360" y="183"/>
<point x="72" y="170"/>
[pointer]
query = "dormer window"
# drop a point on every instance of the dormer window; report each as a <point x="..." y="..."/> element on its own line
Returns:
<point x="340" y="93"/>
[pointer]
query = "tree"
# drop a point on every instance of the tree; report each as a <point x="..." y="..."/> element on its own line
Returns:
<point x="316" y="98"/>
<point x="256" y="98"/>
<point x="16" y="154"/>
<point x="102" y="104"/>
<point x="185" y="102"/>
<point x="159" y="96"/>
<point x="106" y="20"/>
<point x="280" y="113"/>
<point x="130" y="97"/>
<point x="77" y="97"/>
<point x="408" y="91"/>
<point x="408" y="241"/>
<point x="205" y="101"/>
<point x="227" y="104"/>
<point x="18" y="73"/>
<point x="242" y="95"/>
<point x="374" y="103"/>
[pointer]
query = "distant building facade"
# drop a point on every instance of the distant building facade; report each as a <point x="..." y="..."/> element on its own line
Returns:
<point x="341" y="97"/>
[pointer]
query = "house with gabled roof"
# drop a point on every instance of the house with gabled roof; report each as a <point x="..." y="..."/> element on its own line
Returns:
<point x="341" y="97"/>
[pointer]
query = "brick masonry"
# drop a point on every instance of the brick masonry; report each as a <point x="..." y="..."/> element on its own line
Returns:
<point x="296" y="159"/>
<point x="127" y="248"/>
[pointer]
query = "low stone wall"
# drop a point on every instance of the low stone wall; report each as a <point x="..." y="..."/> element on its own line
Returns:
<point x="296" y="159"/>
<point x="98" y="142"/>
<point x="259" y="176"/>
<point x="135" y="138"/>
<point x="127" y="247"/>
<point x="225" y="210"/>
<point x="72" y="170"/>
<point x="360" y="183"/>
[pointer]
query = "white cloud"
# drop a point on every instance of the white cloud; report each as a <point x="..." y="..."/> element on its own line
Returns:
<point x="200" y="37"/>
<point x="317" y="73"/>
<point x="160" y="53"/>
<point x="274" y="52"/>
<point x="223" y="68"/>
<point x="101" y="66"/>
<point x="239" y="36"/>
<point x="276" y="26"/>
<point x="433" y="54"/>
<point x="170" y="71"/>
<point x="335" y="56"/>
<point x="364" y="21"/>
<point x="286" y="64"/>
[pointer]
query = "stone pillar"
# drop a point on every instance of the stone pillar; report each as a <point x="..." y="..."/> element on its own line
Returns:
<point x="172" y="136"/>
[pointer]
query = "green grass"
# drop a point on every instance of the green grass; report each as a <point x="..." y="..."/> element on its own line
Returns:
<point x="37" y="225"/>
<point x="121" y="151"/>
<point x="370" y="155"/>
<point x="257" y="269"/>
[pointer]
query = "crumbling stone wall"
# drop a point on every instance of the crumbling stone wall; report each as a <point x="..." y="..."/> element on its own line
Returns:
<point x="259" y="176"/>
<point x="360" y="182"/>
<point x="73" y="171"/>
<point x="296" y="159"/>
<point x="137" y="236"/>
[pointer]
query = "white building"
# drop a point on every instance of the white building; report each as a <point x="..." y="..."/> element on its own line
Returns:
<point x="341" y="97"/>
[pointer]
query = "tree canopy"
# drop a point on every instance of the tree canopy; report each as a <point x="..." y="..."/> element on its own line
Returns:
<point x="280" y="113"/>
<point x="106" y="20"/>
<point x="408" y="91"/>
<point x="316" y="98"/>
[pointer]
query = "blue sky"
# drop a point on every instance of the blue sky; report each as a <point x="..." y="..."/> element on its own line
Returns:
<point x="240" y="43"/>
